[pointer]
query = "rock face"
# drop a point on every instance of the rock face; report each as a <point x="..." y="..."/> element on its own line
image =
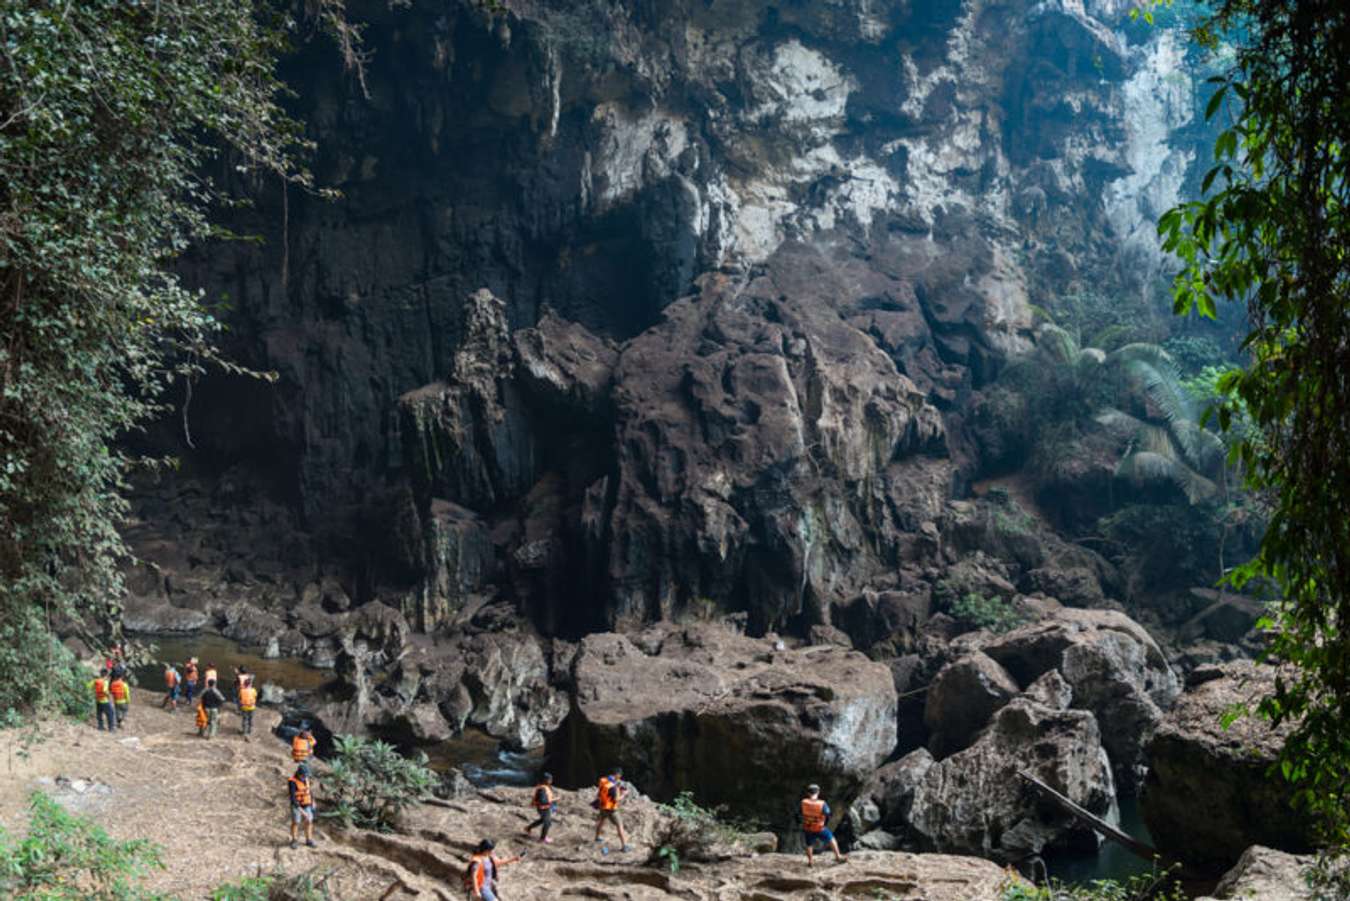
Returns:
<point x="489" y="384"/>
<point x="1209" y="795"/>
<point x="1266" y="874"/>
<point x="700" y="708"/>
<point x="1114" y="668"/>
<point x="963" y="696"/>
<point x="974" y="802"/>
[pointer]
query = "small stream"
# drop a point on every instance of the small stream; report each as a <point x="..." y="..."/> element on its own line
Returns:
<point x="1111" y="861"/>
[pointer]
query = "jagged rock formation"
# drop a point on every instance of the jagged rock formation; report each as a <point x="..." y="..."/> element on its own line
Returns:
<point x="880" y="185"/>
<point x="1266" y="874"/>
<point x="730" y="718"/>
<point x="1209" y="793"/>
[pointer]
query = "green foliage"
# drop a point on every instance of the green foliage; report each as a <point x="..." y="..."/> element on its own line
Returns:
<point x="1273" y="233"/>
<point x="111" y="113"/>
<point x="1193" y="353"/>
<point x="371" y="783"/>
<point x="991" y="613"/>
<point x="1156" y="886"/>
<point x="68" y="858"/>
<point x="279" y="886"/>
<point x="688" y="832"/>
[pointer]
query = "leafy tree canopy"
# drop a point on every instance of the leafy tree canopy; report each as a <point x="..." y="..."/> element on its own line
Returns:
<point x="1272" y="232"/>
<point x="111" y="113"/>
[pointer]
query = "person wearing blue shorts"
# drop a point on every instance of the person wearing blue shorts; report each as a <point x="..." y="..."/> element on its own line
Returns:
<point x="815" y="816"/>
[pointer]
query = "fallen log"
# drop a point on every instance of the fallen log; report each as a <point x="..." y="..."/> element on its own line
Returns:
<point x="1104" y="828"/>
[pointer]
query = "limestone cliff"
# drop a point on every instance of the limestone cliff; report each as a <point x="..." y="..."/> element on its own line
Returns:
<point x="861" y="201"/>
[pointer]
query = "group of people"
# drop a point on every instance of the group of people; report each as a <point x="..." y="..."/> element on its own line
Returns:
<point x="211" y="699"/>
<point x="480" y="878"/>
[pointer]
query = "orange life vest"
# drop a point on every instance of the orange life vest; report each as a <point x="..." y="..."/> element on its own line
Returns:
<point x="248" y="698"/>
<point x="119" y="691"/>
<point x="100" y="690"/>
<point x="477" y="876"/>
<point x="607" y="799"/>
<point x="201" y="716"/>
<point x="547" y="791"/>
<point x="302" y="796"/>
<point x="190" y="672"/>
<point x="170" y="678"/>
<point x="301" y="748"/>
<point x="813" y="815"/>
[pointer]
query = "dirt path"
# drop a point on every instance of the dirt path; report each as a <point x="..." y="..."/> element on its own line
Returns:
<point x="218" y="808"/>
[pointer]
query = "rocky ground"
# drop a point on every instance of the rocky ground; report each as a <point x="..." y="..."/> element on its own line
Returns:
<point x="218" y="808"/>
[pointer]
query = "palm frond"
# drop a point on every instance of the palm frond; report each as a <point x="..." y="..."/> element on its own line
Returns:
<point x="1205" y="451"/>
<point x="1147" y="467"/>
<point x="1056" y="344"/>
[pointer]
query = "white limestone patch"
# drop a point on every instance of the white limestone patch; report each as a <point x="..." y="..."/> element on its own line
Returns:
<point x="630" y="151"/>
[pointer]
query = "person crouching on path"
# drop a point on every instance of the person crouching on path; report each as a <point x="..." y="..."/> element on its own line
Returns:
<point x="248" y="702"/>
<point x="121" y="696"/>
<point x="103" y="703"/>
<point x="301" y="788"/>
<point x="481" y="876"/>
<point x="610" y="795"/>
<point x="815" y="814"/>
<point x="212" y="701"/>
<point x="171" y="680"/>
<point x="190" y="679"/>
<point x="545" y="802"/>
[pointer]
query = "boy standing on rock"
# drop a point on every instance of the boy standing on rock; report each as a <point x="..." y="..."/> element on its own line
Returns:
<point x="815" y="814"/>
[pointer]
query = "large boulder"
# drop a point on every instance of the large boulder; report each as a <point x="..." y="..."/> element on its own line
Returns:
<point x="1115" y="668"/>
<point x="962" y="698"/>
<point x="730" y="718"/>
<point x="1267" y="875"/>
<point x="887" y="798"/>
<point x="1210" y="793"/>
<point x="150" y="618"/>
<point x="974" y="802"/>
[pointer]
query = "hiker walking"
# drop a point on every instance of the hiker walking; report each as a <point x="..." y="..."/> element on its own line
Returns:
<point x="610" y="794"/>
<point x="212" y="701"/>
<point x="121" y="697"/>
<point x="815" y="815"/>
<point x="545" y="803"/>
<point x="171" y="682"/>
<point x="248" y="702"/>
<point x="303" y="744"/>
<point x="480" y="876"/>
<point x="103" y="703"/>
<point x="301" y="789"/>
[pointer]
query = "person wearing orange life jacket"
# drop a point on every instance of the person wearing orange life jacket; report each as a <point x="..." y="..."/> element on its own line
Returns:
<point x="301" y="789"/>
<point x="248" y="702"/>
<point x="545" y="802"/>
<point x="103" y="703"/>
<point x="480" y="876"/>
<point x="302" y="745"/>
<point x="610" y="794"/>
<point x="815" y="816"/>
<point x="190" y="678"/>
<point x="171" y="680"/>
<point x="121" y="696"/>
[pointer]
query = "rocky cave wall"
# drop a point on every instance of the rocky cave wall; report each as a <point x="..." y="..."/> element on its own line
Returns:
<point x="630" y="305"/>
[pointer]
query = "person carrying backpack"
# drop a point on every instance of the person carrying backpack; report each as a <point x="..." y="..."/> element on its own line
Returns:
<point x="545" y="803"/>
<point x="482" y="870"/>
<point x="609" y="795"/>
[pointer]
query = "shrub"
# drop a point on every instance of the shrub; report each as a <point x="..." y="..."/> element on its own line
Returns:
<point x="66" y="857"/>
<point x="1160" y="885"/>
<point x="992" y="613"/>
<point x="688" y="832"/>
<point x="311" y="886"/>
<point x="371" y="783"/>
